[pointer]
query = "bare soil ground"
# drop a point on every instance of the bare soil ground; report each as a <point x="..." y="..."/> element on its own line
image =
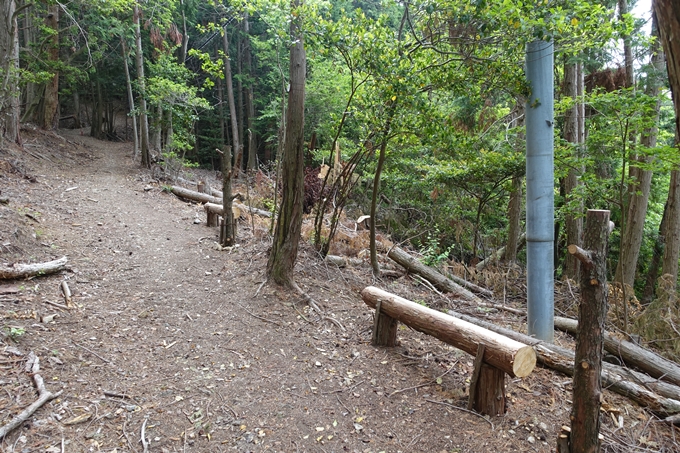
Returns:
<point x="170" y="338"/>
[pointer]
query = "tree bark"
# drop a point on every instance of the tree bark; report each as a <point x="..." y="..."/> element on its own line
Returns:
<point x="49" y="118"/>
<point x="9" y="67"/>
<point x="289" y="222"/>
<point x="131" y="98"/>
<point x="641" y="185"/>
<point x="514" y="220"/>
<point x="627" y="48"/>
<point x="141" y="82"/>
<point x="236" y="144"/>
<point x="573" y="221"/>
<point x="671" y="233"/>
<point x="250" y="103"/>
<point x="514" y="358"/>
<point x="592" y="315"/>
<point x="228" y="227"/>
<point x="668" y="16"/>
<point x="374" y="198"/>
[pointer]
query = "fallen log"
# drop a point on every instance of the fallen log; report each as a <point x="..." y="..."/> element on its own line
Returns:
<point x="433" y="276"/>
<point x="343" y="261"/>
<point x="236" y="208"/>
<point x="614" y="378"/>
<point x="205" y="198"/>
<point x="195" y="196"/>
<point x="28" y="270"/>
<point x="512" y="357"/>
<point x="632" y="354"/>
<point x="469" y="285"/>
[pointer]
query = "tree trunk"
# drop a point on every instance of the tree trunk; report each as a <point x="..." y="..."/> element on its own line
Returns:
<point x="228" y="227"/>
<point x="239" y="95"/>
<point x="143" y="118"/>
<point x="250" y="103"/>
<point x="49" y="118"/>
<point x="158" y="129"/>
<point x="514" y="220"/>
<point x="573" y="221"/>
<point x="131" y="98"/>
<point x="76" y="109"/>
<point x="642" y="182"/>
<point x="289" y="222"/>
<point x="374" y="200"/>
<point x="236" y="144"/>
<point x="627" y="48"/>
<point x="185" y="35"/>
<point x="592" y="314"/>
<point x="668" y="16"/>
<point x="671" y="233"/>
<point x="655" y="264"/>
<point x="9" y="67"/>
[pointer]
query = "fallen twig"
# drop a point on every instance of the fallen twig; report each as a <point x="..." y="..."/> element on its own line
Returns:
<point x="54" y="304"/>
<point x="334" y="321"/>
<point x="145" y="444"/>
<point x="92" y="352"/>
<point x="66" y="291"/>
<point x="32" y="367"/>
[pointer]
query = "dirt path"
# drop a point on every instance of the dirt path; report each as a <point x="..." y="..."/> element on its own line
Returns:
<point x="169" y="336"/>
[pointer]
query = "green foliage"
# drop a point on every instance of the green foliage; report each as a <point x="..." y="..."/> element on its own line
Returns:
<point x="433" y="253"/>
<point x="14" y="332"/>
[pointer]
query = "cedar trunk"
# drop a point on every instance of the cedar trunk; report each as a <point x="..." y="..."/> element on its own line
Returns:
<point x="9" y="66"/>
<point x="143" y="117"/>
<point x="289" y="222"/>
<point x="573" y="221"/>
<point x="250" y="103"/>
<point x="668" y="16"/>
<point x="585" y="412"/>
<point x="50" y="113"/>
<point x="237" y="149"/>
<point x="228" y="227"/>
<point x="639" y="189"/>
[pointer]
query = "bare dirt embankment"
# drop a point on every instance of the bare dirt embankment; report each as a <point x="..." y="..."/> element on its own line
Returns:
<point x="169" y="337"/>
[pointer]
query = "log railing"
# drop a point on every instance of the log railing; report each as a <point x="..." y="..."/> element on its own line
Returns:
<point x="500" y="355"/>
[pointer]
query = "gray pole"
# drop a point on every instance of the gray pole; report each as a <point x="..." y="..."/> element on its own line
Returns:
<point x="540" y="191"/>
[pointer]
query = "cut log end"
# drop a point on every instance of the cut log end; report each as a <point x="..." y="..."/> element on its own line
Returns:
<point x="525" y="362"/>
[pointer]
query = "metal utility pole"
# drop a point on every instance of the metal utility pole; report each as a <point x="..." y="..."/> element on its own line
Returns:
<point x="540" y="190"/>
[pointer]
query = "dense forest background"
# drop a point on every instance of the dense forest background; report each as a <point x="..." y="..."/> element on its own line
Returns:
<point x="413" y="112"/>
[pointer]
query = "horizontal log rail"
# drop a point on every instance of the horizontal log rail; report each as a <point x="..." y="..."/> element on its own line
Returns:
<point x="514" y="358"/>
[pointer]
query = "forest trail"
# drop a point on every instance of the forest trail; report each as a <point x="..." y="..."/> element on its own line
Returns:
<point x="169" y="338"/>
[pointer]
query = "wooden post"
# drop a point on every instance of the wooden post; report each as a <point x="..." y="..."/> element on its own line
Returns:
<point x="585" y="412"/>
<point x="487" y="387"/>
<point x="384" y="328"/>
